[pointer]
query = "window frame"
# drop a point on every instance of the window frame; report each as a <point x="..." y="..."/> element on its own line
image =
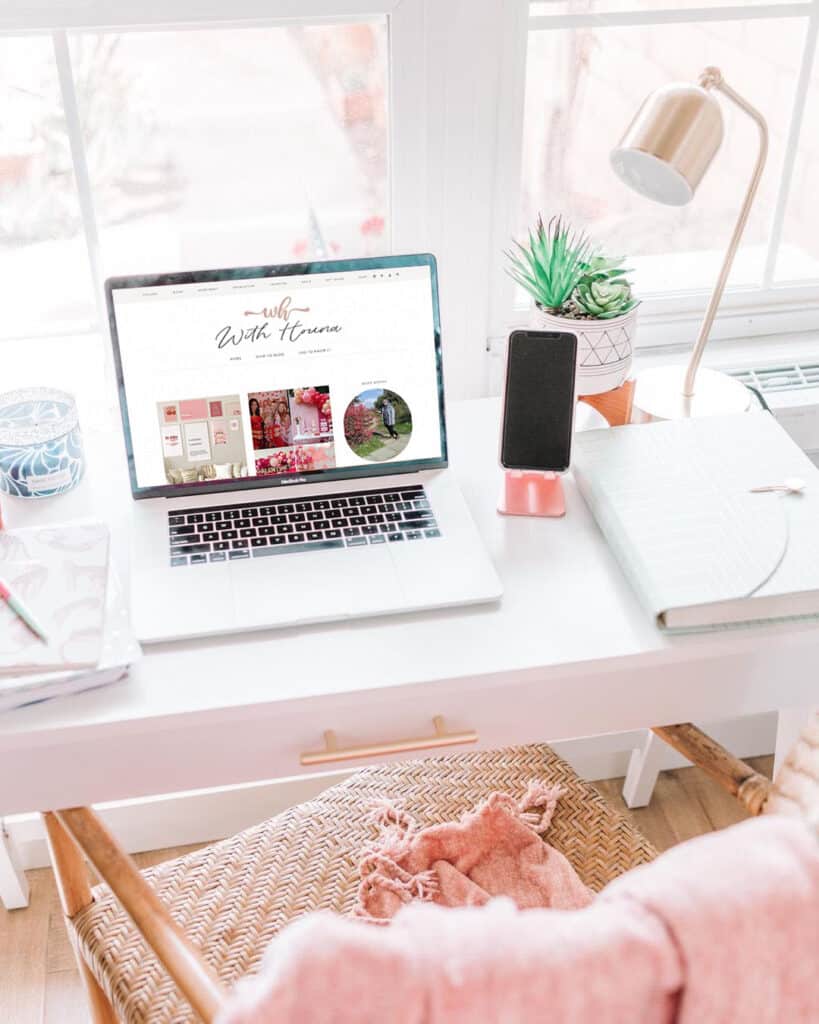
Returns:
<point x="406" y="170"/>
<point x="457" y="77"/>
<point x="444" y="83"/>
<point x="666" y="319"/>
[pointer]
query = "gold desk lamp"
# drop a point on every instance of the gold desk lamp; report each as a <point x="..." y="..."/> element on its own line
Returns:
<point x="663" y="155"/>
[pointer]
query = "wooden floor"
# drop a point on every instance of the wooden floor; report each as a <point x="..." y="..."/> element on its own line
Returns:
<point x="39" y="983"/>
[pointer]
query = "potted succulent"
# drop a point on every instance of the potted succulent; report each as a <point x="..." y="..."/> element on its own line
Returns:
<point x="578" y="289"/>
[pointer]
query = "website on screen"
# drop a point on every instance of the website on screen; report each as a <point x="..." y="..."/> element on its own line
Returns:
<point x="267" y="377"/>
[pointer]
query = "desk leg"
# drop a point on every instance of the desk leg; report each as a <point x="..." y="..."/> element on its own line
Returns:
<point x="790" y="723"/>
<point x="13" y="881"/>
<point x="643" y="769"/>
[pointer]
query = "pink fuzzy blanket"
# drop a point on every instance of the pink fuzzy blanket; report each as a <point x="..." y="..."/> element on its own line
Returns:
<point x="494" y="851"/>
<point x="723" y="929"/>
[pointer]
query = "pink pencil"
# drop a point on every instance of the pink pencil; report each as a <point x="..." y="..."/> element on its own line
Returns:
<point x="22" y="612"/>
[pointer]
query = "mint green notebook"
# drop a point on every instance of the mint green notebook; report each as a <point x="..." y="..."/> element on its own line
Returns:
<point x="674" y="502"/>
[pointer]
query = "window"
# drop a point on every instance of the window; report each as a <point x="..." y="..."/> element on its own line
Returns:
<point x="800" y="229"/>
<point x="227" y="147"/>
<point x="154" y="134"/>
<point x="40" y="220"/>
<point x="584" y="85"/>
<point x="138" y="151"/>
<point x="589" y="64"/>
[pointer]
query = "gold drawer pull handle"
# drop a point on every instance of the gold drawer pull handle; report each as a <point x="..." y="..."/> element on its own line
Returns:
<point x="333" y="752"/>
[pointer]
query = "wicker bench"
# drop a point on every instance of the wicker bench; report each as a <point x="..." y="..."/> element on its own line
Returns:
<point x="204" y="920"/>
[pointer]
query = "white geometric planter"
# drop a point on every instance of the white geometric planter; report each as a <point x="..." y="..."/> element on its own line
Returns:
<point x="604" y="348"/>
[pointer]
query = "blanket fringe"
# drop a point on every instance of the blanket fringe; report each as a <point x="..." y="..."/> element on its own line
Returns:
<point x="387" y="814"/>
<point x="380" y="871"/>
<point x="542" y="795"/>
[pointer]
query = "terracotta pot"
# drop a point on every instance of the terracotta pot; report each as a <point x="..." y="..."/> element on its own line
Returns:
<point x="604" y="348"/>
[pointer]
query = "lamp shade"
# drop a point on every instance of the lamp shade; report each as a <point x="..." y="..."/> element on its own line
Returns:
<point x="670" y="144"/>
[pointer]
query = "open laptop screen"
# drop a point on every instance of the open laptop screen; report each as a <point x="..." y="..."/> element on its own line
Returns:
<point x="273" y="375"/>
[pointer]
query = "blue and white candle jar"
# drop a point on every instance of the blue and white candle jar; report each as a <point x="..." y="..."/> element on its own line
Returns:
<point x="40" y="443"/>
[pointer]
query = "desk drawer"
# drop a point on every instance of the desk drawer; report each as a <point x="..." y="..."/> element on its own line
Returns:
<point x="345" y="733"/>
<point x="235" y="746"/>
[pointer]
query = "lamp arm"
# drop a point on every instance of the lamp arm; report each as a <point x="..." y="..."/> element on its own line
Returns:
<point x="712" y="78"/>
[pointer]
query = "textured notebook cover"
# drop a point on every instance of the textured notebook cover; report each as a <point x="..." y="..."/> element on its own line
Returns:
<point x="119" y="651"/>
<point x="60" y="574"/>
<point x="675" y="504"/>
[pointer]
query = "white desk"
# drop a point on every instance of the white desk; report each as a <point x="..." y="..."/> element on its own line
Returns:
<point x="567" y="652"/>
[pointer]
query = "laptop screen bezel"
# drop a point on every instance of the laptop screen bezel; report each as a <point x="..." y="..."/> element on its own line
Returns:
<point x="276" y="270"/>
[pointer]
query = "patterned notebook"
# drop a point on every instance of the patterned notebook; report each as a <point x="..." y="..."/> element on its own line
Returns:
<point x="60" y="574"/>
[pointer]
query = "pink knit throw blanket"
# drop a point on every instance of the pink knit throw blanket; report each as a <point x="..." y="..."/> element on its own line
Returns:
<point x="723" y="929"/>
<point x="494" y="851"/>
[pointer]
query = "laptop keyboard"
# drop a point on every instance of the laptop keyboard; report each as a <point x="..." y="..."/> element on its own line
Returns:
<point x="234" y="532"/>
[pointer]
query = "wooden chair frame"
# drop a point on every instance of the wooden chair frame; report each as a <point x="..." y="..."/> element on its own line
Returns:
<point x="77" y="832"/>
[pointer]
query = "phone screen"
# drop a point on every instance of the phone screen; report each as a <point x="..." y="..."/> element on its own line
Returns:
<point x="537" y="428"/>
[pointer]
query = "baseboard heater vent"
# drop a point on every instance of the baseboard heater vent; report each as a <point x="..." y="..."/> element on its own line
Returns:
<point x="773" y="379"/>
<point x="792" y="392"/>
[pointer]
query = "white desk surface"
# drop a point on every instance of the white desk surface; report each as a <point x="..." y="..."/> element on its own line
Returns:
<point x="568" y="623"/>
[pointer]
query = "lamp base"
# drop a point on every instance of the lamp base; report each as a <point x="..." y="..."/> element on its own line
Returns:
<point x="658" y="395"/>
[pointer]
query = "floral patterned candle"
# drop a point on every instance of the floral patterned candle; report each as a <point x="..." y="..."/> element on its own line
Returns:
<point x="40" y="443"/>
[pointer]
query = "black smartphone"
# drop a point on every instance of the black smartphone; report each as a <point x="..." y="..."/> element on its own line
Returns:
<point x="538" y="412"/>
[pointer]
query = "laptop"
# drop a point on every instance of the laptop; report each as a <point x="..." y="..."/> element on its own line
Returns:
<point x="287" y="447"/>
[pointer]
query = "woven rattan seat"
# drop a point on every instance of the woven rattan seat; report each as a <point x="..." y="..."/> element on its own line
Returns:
<point x="234" y="896"/>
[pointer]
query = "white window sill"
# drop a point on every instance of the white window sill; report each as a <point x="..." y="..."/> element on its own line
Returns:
<point x="733" y="353"/>
<point x="727" y="354"/>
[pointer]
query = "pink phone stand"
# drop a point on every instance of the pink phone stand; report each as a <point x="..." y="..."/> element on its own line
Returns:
<point x="528" y="493"/>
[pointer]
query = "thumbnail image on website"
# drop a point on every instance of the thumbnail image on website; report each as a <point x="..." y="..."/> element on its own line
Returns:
<point x="267" y="377"/>
<point x="202" y="438"/>
<point x="377" y="425"/>
<point x="292" y="430"/>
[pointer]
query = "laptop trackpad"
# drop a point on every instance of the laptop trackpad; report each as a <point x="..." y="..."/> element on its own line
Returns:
<point x="308" y="587"/>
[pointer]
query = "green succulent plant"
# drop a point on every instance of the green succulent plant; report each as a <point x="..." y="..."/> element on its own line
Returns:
<point x="603" y="291"/>
<point x="566" y="276"/>
<point x="552" y="264"/>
